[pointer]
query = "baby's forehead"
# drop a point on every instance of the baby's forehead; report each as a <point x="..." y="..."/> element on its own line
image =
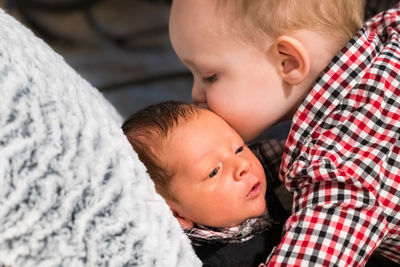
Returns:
<point x="174" y="132"/>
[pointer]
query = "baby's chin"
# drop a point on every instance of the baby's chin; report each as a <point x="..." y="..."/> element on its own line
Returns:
<point x="261" y="209"/>
<point x="258" y="210"/>
<point x="255" y="215"/>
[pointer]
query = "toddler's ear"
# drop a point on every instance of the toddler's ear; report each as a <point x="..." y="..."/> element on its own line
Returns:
<point x="184" y="222"/>
<point x="293" y="60"/>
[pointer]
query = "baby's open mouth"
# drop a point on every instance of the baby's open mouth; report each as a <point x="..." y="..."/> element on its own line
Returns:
<point x="255" y="190"/>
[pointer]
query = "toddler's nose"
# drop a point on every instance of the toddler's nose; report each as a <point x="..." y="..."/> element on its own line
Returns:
<point x="198" y="95"/>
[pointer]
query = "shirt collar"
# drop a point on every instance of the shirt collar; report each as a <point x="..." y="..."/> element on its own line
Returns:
<point x="201" y="234"/>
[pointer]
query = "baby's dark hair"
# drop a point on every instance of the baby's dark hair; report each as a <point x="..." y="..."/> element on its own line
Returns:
<point x="146" y="131"/>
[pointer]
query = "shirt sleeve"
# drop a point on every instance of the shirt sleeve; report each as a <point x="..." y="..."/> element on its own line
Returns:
<point x="333" y="224"/>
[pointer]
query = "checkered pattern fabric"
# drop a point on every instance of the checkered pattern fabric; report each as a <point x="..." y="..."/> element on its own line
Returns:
<point x="342" y="156"/>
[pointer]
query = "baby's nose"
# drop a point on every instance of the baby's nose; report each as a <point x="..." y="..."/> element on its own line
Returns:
<point x="242" y="169"/>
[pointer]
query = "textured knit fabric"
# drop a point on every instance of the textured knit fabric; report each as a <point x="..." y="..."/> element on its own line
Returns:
<point x="72" y="191"/>
<point x="342" y="157"/>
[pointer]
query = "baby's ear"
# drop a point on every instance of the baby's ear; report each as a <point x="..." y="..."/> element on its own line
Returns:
<point x="184" y="222"/>
<point x="293" y="59"/>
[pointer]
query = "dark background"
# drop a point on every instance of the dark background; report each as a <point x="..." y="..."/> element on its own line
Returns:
<point x="120" y="46"/>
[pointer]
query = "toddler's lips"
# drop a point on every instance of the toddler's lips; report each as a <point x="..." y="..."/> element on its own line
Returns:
<point x="254" y="191"/>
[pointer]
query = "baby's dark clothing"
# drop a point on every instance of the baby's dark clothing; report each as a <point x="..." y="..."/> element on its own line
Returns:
<point x="249" y="253"/>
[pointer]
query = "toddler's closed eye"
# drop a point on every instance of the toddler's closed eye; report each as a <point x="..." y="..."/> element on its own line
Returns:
<point x="210" y="79"/>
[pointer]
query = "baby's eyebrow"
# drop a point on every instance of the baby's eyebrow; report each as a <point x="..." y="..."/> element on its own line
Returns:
<point x="204" y="155"/>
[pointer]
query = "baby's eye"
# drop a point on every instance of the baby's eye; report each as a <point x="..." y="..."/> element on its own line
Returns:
<point x="213" y="173"/>
<point x="240" y="149"/>
<point x="210" y="79"/>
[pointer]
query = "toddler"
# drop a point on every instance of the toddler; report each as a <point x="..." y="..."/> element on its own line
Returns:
<point x="213" y="183"/>
<point x="258" y="62"/>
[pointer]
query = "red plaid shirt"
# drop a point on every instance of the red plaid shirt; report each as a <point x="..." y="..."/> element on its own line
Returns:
<point x="342" y="156"/>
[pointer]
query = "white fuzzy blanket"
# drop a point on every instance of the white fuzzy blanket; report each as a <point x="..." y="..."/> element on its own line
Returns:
<point x="72" y="191"/>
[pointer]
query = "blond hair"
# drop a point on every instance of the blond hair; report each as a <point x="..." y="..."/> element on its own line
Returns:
<point x="340" y="19"/>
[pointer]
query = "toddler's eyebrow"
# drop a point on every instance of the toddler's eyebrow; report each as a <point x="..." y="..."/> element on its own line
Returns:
<point x="188" y="62"/>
